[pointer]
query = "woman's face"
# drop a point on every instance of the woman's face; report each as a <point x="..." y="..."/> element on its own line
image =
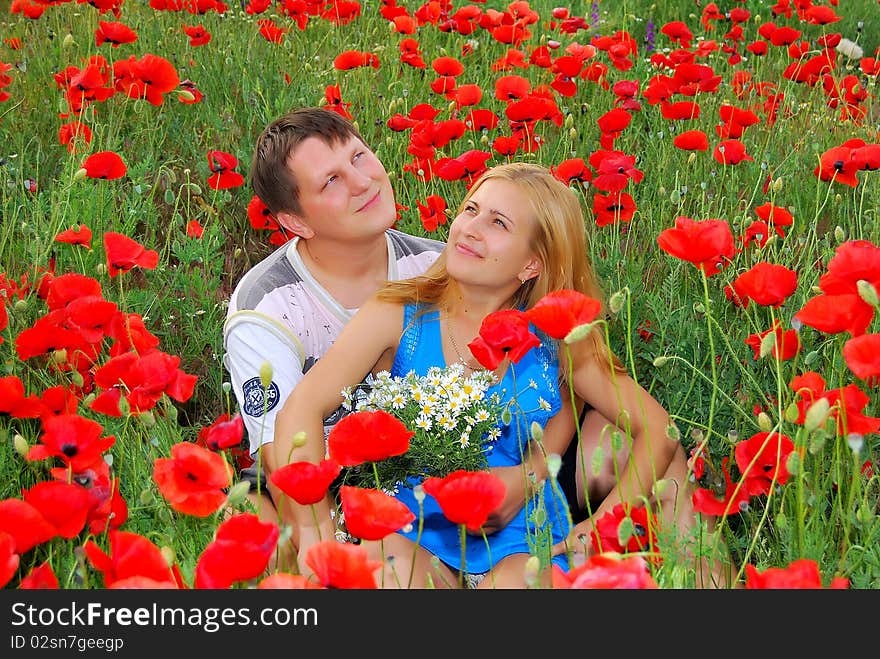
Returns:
<point x="490" y="241"/>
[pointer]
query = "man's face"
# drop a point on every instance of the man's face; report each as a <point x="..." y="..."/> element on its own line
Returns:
<point x="345" y="191"/>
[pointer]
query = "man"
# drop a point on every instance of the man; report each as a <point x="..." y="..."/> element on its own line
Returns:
<point x="314" y="172"/>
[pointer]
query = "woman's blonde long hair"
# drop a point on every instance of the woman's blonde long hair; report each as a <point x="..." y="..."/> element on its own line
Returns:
<point x="559" y="242"/>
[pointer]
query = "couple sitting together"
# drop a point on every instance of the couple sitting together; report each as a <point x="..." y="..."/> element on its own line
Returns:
<point x="349" y="296"/>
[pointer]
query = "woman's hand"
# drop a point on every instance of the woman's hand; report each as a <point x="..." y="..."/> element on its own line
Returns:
<point x="578" y="541"/>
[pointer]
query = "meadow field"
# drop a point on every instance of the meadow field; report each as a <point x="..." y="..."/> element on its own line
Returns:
<point x="726" y="154"/>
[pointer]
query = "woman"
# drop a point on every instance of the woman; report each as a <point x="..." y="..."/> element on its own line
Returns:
<point x="518" y="235"/>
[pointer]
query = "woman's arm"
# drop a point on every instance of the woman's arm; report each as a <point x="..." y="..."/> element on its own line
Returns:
<point x="374" y="330"/>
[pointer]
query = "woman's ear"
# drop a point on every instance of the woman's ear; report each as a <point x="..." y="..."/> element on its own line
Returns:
<point x="294" y="224"/>
<point x="532" y="269"/>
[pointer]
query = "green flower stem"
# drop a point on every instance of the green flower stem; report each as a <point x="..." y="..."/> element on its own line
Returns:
<point x="463" y="535"/>
<point x="714" y="395"/>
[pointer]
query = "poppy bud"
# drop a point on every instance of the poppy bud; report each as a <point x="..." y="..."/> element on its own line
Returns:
<point x="617" y="300"/>
<point x="569" y="120"/>
<point x="793" y="463"/>
<point x="419" y="493"/>
<point x="169" y="196"/>
<point x="168" y="554"/>
<point x="673" y="433"/>
<point x="484" y="139"/>
<point x="692" y="158"/>
<point x="781" y="520"/>
<point x="659" y="488"/>
<point x="699" y="307"/>
<point x="80" y="174"/>
<point x="597" y="459"/>
<point x="186" y="95"/>
<point x="764" y="422"/>
<point x="792" y="413"/>
<point x="77" y="378"/>
<point x="660" y="361"/>
<point x="226" y="387"/>
<point x="839" y="234"/>
<point x="59" y="356"/>
<point x="578" y="333"/>
<point x="662" y="191"/>
<point x="776" y="186"/>
<point x="101" y="269"/>
<point x="68" y="41"/>
<point x="20" y="306"/>
<point x="124" y="407"/>
<point x="554" y="464"/>
<point x="299" y="439"/>
<point x="531" y="571"/>
<point x="236" y="253"/>
<point x="816" y="414"/>
<point x="625" y="531"/>
<point x="20" y="444"/>
<point x="147" y="418"/>
<point x="237" y="493"/>
<point x="506" y="416"/>
<point x="855" y="441"/>
<point x="266" y="374"/>
<point x="864" y="514"/>
<point x="675" y="197"/>
<point x="767" y="344"/>
<point x="572" y="133"/>
<point x="867" y="292"/>
<point x="536" y="431"/>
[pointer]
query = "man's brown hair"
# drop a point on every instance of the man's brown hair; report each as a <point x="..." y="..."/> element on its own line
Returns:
<point x="271" y="179"/>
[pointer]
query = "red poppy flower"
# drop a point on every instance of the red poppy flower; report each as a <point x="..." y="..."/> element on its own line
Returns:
<point x="259" y="216"/>
<point x="270" y="31"/>
<point x="367" y="436"/>
<point x="192" y="479"/>
<point x="512" y="88"/>
<point x="194" y="229"/>
<point x="189" y="93"/>
<point x="9" y="559"/>
<point x="304" y="482"/>
<point x="680" y="110"/>
<point x="41" y="577"/>
<point x="846" y="403"/>
<point x="853" y="260"/>
<point x="691" y="140"/>
<point x="342" y="565"/>
<point x="605" y="536"/>
<point x="149" y="78"/>
<point x="372" y="514"/>
<point x="862" y="356"/>
<point x="766" y="284"/>
<point x="786" y="343"/>
<point x="708" y="244"/>
<point x="74" y="134"/>
<point x="198" y="35"/>
<point x="762" y="460"/>
<point x="222" y="165"/>
<point x="104" y="164"/>
<point x="607" y="571"/>
<point x="72" y="438"/>
<point x="240" y="551"/>
<point x="64" y="505"/>
<point x="25" y="524"/>
<point x="226" y="432"/>
<point x="614" y="170"/>
<point x="82" y="235"/>
<point x="833" y="314"/>
<point x="775" y="215"/>
<point x="352" y="59"/>
<point x="559" y="312"/>
<point x="287" y="581"/>
<point x="131" y="334"/>
<point x="468" y="166"/>
<point x="800" y="574"/>
<point x="503" y="333"/>
<point x="730" y="152"/>
<point x="131" y="555"/>
<point x="734" y="499"/>
<point x="433" y="212"/>
<point x="615" y="207"/>
<point x="124" y="253"/>
<point x="467" y="497"/>
<point x="145" y="378"/>
<point x="836" y="164"/>
<point x="820" y="15"/>
<point x="109" y="509"/>
<point x="573" y="169"/>
<point x="114" y="34"/>
<point x="13" y="401"/>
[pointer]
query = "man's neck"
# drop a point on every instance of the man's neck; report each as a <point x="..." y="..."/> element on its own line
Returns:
<point x="350" y="273"/>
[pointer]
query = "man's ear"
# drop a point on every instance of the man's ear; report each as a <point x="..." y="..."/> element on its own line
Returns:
<point x="294" y="224"/>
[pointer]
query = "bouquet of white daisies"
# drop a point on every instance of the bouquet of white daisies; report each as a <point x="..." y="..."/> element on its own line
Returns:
<point x="455" y="420"/>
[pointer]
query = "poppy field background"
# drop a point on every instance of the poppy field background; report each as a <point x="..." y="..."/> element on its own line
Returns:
<point x="725" y="153"/>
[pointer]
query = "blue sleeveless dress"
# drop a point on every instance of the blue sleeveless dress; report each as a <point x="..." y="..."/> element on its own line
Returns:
<point x="421" y="348"/>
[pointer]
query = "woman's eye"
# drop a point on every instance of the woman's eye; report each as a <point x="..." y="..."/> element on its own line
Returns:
<point x="329" y="181"/>
<point x="500" y="222"/>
